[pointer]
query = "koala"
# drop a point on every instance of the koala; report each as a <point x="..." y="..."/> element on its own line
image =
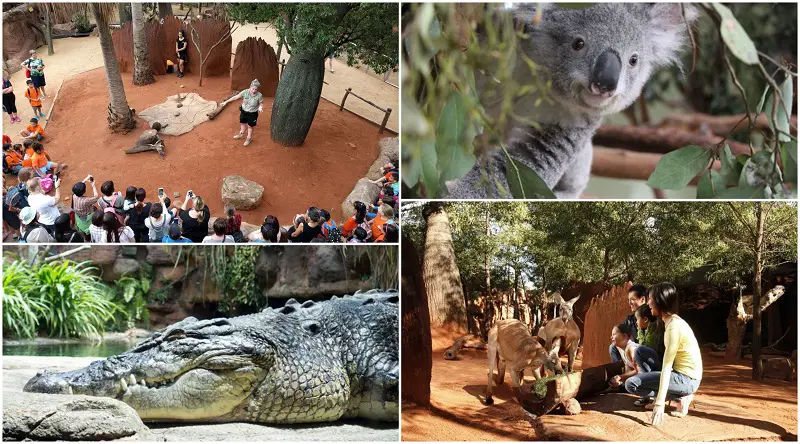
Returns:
<point x="597" y="60"/>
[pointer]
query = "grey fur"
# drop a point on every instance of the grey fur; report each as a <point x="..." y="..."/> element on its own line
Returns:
<point x="560" y="151"/>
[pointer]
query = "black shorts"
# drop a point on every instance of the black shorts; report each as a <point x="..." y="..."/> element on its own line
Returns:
<point x="10" y="103"/>
<point x="182" y="55"/>
<point x="248" y="118"/>
<point x="38" y="81"/>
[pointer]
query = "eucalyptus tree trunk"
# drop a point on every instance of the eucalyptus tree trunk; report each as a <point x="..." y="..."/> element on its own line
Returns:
<point x="297" y="98"/>
<point x="165" y="10"/>
<point x="124" y="13"/>
<point x="120" y="115"/>
<point x="415" y="329"/>
<point x="758" y="367"/>
<point x="142" y="71"/>
<point x="440" y="271"/>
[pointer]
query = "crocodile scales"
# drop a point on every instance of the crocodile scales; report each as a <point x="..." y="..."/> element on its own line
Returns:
<point x="309" y="362"/>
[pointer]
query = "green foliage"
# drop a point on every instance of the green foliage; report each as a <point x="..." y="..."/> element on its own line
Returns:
<point x="81" y="20"/>
<point x="66" y="298"/>
<point x="130" y="292"/>
<point x="366" y="33"/>
<point x="237" y="280"/>
<point x="22" y="307"/>
<point x="445" y="68"/>
<point x="760" y="177"/>
<point x="546" y="245"/>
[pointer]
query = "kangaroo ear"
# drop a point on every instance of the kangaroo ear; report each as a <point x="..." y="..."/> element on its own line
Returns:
<point x="572" y="302"/>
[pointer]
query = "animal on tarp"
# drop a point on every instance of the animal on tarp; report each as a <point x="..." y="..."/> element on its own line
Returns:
<point x="562" y="333"/>
<point x="301" y="363"/>
<point x="511" y="344"/>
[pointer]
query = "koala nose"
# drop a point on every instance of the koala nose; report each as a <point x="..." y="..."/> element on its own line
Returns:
<point x="606" y="72"/>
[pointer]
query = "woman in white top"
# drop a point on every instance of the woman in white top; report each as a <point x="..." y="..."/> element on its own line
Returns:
<point x="114" y="232"/>
<point x="158" y="222"/>
<point x="44" y="205"/>
<point x="219" y="236"/>
<point x="621" y="337"/>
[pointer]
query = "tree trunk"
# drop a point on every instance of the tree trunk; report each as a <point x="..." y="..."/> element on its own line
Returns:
<point x="165" y="10"/>
<point x="48" y="27"/>
<point x="736" y="324"/>
<point x="125" y="15"/>
<point x="758" y="367"/>
<point x="280" y="49"/>
<point x="415" y="329"/>
<point x="142" y="71"/>
<point x="297" y="98"/>
<point x="465" y="291"/>
<point x="440" y="271"/>
<point x="120" y="115"/>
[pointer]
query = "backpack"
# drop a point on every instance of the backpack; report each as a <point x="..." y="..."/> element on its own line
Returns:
<point x="47" y="183"/>
<point x="158" y="233"/>
<point x="238" y="236"/>
<point x="17" y="196"/>
<point x="114" y="207"/>
<point x="334" y="235"/>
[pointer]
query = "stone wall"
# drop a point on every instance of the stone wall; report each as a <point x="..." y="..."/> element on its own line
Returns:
<point x="22" y="31"/>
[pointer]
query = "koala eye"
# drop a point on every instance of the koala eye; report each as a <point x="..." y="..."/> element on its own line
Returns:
<point x="633" y="60"/>
<point x="578" y="44"/>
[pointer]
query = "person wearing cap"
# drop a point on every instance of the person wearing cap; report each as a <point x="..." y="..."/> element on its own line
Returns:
<point x="252" y="104"/>
<point x="33" y="232"/>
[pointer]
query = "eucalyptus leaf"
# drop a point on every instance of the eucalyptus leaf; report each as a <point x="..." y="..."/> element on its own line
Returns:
<point x="454" y="136"/>
<point x="731" y="169"/>
<point x="735" y="37"/>
<point x="742" y="159"/>
<point x="430" y="173"/>
<point x="789" y="158"/>
<point x="412" y="167"/>
<point x="676" y="169"/>
<point x="782" y="113"/>
<point x="708" y="187"/>
<point x="533" y="187"/>
<point x="761" y="102"/>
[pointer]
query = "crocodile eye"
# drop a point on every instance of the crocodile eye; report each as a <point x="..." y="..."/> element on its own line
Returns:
<point x="578" y="44"/>
<point x="633" y="60"/>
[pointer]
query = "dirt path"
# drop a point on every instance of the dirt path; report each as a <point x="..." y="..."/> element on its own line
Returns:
<point x="729" y="406"/>
<point x="321" y="172"/>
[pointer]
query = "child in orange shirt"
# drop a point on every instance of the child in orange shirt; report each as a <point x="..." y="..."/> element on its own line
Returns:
<point x="41" y="163"/>
<point x="13" y="158"/>
<point x="34" y="131"/>
<point x="35" y="99"/>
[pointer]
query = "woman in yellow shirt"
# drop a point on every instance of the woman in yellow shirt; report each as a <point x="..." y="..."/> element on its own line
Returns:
<point x="682" y="366"/>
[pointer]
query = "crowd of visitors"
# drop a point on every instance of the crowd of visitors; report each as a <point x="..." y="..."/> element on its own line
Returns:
<point x="35" y="210"/>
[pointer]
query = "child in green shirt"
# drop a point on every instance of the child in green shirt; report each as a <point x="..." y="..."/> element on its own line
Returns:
<point x="646" y="323"/>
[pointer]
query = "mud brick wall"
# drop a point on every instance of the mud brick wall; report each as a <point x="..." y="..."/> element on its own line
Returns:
<point x="605" y="311"/>
<point x="161" y="40"/>
<point x="255" y="59"/>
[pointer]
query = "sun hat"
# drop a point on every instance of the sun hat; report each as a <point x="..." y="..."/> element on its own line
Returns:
<point x="27" y="215"/>
<point x="255" y="83"/>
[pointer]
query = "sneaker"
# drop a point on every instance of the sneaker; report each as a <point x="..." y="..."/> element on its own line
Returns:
<point x="42" y="115"/>
<point x="642" y="401"/>
<point x="239" y="136"/>
<point x="247" y="142"/>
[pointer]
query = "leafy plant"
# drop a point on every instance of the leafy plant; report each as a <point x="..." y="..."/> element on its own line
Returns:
<point x="82" y="24"/>
<point x="444" y="122"/>
<point x="21" y="308"/>
<point x="758" y="174"/>
<point x="131" y="294"/>
<point x="238" y="280"/>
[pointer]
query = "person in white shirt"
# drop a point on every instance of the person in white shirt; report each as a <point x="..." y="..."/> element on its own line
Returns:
<point x="44" y="205"/>
<point x="114" y="232"/>
<point x="219" y="236"/>
<point x="32" y="231"/>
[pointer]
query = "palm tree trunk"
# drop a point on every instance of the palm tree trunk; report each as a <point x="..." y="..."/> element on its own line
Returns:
<point x="440" y="271"/>
<point x="120" y="115"/>
<point x="142" y="71"/>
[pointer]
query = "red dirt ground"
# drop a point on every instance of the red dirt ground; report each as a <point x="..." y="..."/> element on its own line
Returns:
<point x="320" y="173"/>
<point x="728" y="406"/>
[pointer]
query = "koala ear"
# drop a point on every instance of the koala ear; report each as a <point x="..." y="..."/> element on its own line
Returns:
<point x="525" y="13"/>
<point x="669" y="31"/>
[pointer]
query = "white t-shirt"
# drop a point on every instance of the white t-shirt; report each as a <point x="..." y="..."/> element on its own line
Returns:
<point x="213" y="240"/>
<point x="45" y="206"/>
<point x="125" y="237"/>
<point x="156" y="227"/>
<point x="631" y="348"/>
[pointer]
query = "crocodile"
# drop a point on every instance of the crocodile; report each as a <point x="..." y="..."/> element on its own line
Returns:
<point x="301" y="363"/>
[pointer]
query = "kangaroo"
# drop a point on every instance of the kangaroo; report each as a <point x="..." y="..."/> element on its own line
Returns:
<point x="562" y="332"/>
<point x="511" y="343"/>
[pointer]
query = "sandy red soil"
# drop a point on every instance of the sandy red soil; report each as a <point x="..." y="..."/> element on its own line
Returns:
<point x="320" y="173"/>
<point x="729" y="406"/>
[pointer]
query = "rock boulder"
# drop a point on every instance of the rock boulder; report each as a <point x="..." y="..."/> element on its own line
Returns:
<point x="122" y="266"/>
<point x="43" y="417"/>
<point x="364" y="191"/>
<point x="242" y="193"/>
<point x="389" y="153"/>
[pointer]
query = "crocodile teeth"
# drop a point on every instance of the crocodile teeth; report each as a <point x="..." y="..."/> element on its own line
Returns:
<point x="132" y="379"/>
<point x="123" y="384"/>
<point x="69" y="389"/>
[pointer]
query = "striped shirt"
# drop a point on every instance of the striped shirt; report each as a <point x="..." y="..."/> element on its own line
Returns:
<point x="83" y="205"/>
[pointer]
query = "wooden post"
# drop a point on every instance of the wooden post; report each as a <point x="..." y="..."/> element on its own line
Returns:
<point x="347" y="93"/>
<point x="385" y="119"/>
<point x="48" y="24"/>
<point x="282" y="66"/>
